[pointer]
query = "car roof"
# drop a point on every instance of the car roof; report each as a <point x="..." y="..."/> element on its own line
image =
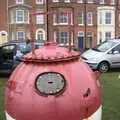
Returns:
<point x="16" y="42"/>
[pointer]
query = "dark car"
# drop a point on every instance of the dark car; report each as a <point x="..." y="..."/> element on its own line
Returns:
<point x="9" y="53"/>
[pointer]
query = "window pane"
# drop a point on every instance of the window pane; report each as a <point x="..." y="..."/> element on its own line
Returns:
<point x="39" y="1"/>
<point x="63" y="37"/>
<point x="80" y="18"/>
<point x="63" y="18"/>
<point x="89" y="18"/>
<point x="20" y="35"/>
<point x="108" y="18"/>
<point x="20" y="16"/>
<point x="19" y="1"/>
<point x="108" y="35"/>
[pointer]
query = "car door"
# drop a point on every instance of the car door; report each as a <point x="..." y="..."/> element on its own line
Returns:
<point x="6" y="58"/>
<point x="115" y="56"/>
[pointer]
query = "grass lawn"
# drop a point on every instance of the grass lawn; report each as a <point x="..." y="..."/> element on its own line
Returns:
<point x="110" y="95"/>
<point x="2" y="86"/>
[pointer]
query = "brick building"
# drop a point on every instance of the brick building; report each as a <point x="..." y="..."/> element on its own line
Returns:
<point x="79" y="23"/>
<point x="80" y="27"/>
<point x="18" y="19"/>
<point x="3" y="21"/>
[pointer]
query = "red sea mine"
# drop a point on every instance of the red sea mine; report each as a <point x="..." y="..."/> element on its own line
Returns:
<point x="53" y="84"/>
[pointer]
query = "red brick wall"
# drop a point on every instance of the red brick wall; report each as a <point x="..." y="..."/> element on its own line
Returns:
<point x="75" y="8"/>
<point x="3" y="15"/>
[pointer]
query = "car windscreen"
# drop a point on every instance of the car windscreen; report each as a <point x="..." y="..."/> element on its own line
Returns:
<point x="103" y="47"/>
<point x="25" y="48"/>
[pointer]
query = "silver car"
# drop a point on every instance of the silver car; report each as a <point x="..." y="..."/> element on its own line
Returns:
<point x="104" y="56"/>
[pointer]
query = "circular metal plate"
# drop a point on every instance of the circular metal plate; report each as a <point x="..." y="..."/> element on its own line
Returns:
<point x="50" y="83"/>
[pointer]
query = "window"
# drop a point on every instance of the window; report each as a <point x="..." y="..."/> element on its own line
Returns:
<point x="55" y="0"/>
<point x="101" y="1"/>
<point x="90" y="1"/>
<point x="117" y="48"/>
<point x="19" y="1"/>
<point x="61" y="0"/>
<point x="119" y="19"/>
<point x="112" y="2"/>
<point x="40" y="19"/>
<point x="107" y="35"/>
<point x="19" y="16"/>
<point x="89" y="18"/>
<point x="100" y="18"/>
<point x="40" y="34"/>
<point x="20" y="35"/>
<point x="39" y="1"/>
<point x="100" y="35"/>
<point x="80" y="34"/>
<point x="81" y="18"/>
<point x="67" y="0"/>
<point x="105" y="46"/>
<point x="80" y="1"/>
<point x="54" y="19"/>
<point x="108" y="18"/>
<point x="63" y="37"/>
<point x="63" y="19"/>
<point x="6" y="60"/>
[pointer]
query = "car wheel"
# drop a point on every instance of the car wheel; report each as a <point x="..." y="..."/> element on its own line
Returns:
<point x="103" y="67"/>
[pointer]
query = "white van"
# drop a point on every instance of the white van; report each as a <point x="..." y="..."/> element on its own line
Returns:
<point x="104" y="56"/>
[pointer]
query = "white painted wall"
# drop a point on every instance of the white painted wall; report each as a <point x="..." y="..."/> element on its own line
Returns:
<point x="103" y="27"/>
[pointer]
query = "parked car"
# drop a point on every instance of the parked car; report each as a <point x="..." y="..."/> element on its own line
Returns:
<point x="103" y="57"/>
<point x="9" y="53"/>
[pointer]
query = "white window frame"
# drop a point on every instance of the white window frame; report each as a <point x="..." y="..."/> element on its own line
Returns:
<point x="119" y="18"/>
<point x="54" y="19"/>
<point x="100" y="18"/>
<point x="112" y="2"/>
<point x="39" y="2"/>
<point x="110" y="19"/>
<point x="23" y="35"/>
<point x="63" y="23"/>
<point x="106" y="36"/>
<point x="55" y="0"/>
<point x="90" y="1"/>
<point x="91" y="18"/>
<point x="82" y="19"/>
<point x="67" y="1"/>
<point x="79" y="1"/>
<point x="19" y="2"/>
<point x="22" y="21"/>
<point x="102" y="2"/>
<point x="43" y="31"/>
<point x="80" y="33"/>
<point x="39" y="18"/>
<point x="65" y="41"/>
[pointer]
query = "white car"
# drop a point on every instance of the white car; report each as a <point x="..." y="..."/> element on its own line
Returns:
<point x="104" y="56"/>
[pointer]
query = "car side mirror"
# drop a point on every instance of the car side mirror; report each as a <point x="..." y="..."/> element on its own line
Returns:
<point x="115" y="52"/>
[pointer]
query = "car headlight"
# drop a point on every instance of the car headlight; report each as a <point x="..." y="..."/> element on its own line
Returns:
<point x="97" y="115"/>
<point x="8" y="117"/>
<point x="50" y="83"/>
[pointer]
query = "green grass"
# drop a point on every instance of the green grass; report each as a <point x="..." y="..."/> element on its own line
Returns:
<point x="2" y="86"/>
<point x="110" y="96"/>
